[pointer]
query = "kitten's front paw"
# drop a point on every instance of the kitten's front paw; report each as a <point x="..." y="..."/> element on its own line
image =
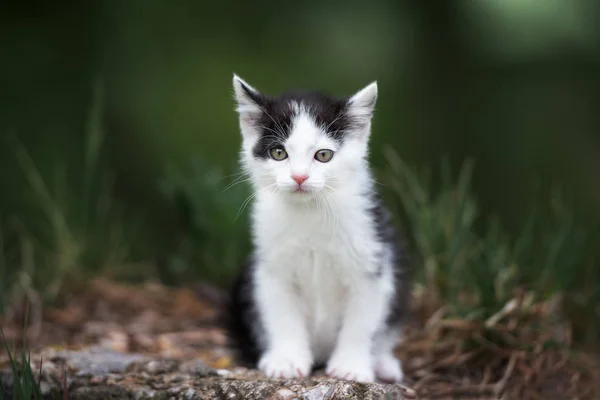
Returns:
<point x="351" y="367"/>
<point x="388" y="369"/>
<point x="285" y="364"/>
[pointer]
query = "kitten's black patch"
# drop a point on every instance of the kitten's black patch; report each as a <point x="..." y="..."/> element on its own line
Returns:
<point x="278" y="113"/>
<point x="241" y="316"/>
<point x="387" y="233"/>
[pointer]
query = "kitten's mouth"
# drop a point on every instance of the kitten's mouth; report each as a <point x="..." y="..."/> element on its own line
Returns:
<point x="300" y="189"/>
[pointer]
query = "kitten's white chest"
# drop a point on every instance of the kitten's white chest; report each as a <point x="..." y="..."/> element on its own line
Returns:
<point x="323" y="255"/>
<point x="321" y="259"/>
<point x="322" y="291"/>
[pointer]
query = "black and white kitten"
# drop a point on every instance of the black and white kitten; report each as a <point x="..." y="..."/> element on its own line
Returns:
<point x="326" y="284"/>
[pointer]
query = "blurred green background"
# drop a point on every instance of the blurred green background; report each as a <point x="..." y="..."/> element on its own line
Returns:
<point x="119" y="134"/>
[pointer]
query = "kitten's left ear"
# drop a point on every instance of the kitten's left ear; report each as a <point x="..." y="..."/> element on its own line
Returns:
<point x="362" y="104"/>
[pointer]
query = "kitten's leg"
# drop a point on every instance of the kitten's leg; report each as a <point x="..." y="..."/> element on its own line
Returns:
<point x="387" y="366"/>
<point x="287" y="353"/>
<point x="352" y="357"/>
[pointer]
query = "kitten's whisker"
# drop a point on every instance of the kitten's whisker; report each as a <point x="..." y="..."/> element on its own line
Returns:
<point x="277" y="124"/>
<point x="275" y="140"/>
<point x="321" y="206"/>
<point x="378" y="183"/>
<point x="241" y="178"/>
<point x="244" y="204"/>
<point x="235" y="183"/>
<point x="334" y="180"/>
<point x="249" y="199"/>
<point x="332" y="207"/>
<point x="236" y="174"/>
<point x="334" y="121"/>
<point x="245" y="176"/>
<point x="318" y="201"/>
<point x="276" y="132"/>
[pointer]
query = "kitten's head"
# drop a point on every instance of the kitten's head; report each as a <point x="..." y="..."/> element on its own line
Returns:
<point x="302" y="143"/>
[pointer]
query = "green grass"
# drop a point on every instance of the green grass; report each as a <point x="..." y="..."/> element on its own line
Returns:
<point x="466" y="261"/>
<point x="25" y="385"/>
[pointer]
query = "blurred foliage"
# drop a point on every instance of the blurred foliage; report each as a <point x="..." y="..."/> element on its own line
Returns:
<point x="69" y="229"/>
<point x="214" y="238"/>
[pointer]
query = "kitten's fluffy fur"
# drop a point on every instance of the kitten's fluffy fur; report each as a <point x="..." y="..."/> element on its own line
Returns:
<point x="326" y="284"/>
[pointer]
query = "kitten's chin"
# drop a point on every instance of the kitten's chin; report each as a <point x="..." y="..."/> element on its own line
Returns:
<point x="299" y="195"/>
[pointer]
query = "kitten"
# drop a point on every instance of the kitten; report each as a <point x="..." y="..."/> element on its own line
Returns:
<point x="326" y="284"/>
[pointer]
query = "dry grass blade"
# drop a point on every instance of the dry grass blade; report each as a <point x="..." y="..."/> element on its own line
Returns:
<point x="460" y="358"/>
<point x="408" y="393"/>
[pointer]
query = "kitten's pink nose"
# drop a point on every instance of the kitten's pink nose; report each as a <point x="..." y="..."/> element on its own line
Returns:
<point x="299" y="178"/>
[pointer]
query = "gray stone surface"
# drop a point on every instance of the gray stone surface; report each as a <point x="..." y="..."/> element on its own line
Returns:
<point x="104" y="374"/>
<point x="97" y="361"/>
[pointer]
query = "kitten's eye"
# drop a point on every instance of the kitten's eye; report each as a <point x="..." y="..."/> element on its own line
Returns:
<point x="278" y="153"/>
<point x="324" y="155"/>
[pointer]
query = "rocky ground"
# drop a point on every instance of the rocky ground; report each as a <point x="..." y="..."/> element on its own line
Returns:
<point x="118" y="341"/>
<point x="100" y="373"/>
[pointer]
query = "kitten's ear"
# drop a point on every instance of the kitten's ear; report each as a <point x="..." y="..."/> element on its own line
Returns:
<point x="362" y="104"/>
<point x="248" y="99"/>
<point x="250" y="104"/>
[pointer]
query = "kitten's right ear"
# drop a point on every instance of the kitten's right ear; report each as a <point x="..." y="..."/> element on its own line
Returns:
<point x="250" y="104"/>
<point x="249" y="100"/>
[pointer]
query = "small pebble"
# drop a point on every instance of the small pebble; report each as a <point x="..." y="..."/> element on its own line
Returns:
<point x="284" y="394"/>
<point x="224" y="372"/>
